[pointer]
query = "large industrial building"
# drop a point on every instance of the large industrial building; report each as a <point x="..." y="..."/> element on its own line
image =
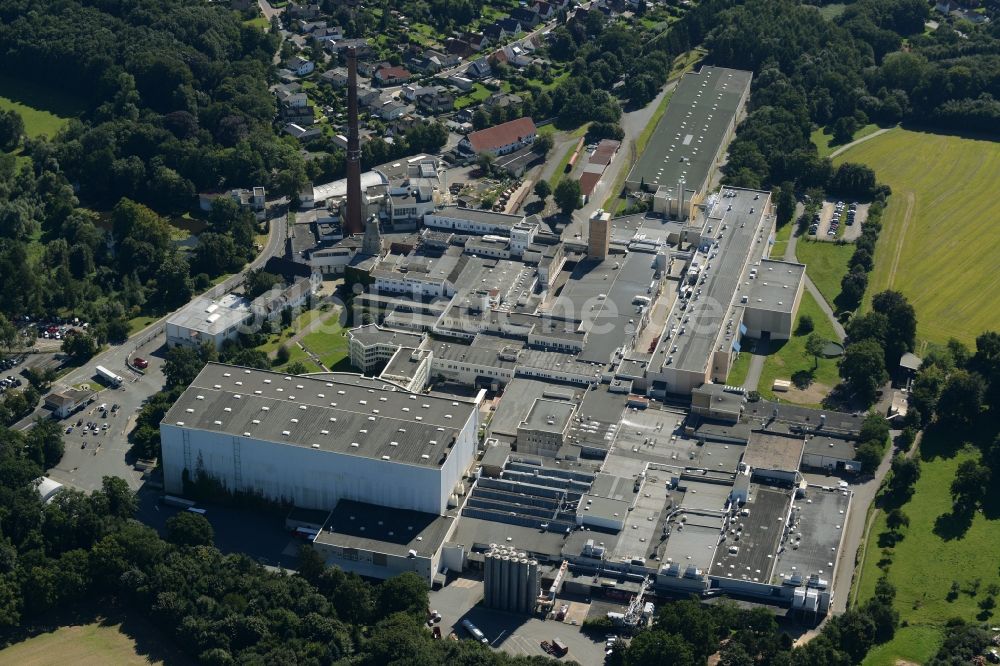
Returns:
<point x="316" y="440"/>
<point x="691" y="139"/>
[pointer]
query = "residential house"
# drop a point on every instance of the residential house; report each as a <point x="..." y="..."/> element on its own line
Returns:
<point x="300" y="66"/>
<point x="335" y="46"/>
<point x="320" y="38"/>
<point x="391" y="76"/>
<point x="241" y="5"/>
<point x="392" y="110"/>
<point x="478" y="69"/>
<point x="305" y="27"/>
<point x="510" y="26"/>
<point x="340" y="140"/>
<point x="462" y="83"/>
<point x="292" y="99"/>
<point x="458" y="47"/>
<point x="336" y="77"/>
<point x="410" y="91"/>
<point x="502" y="100"/>
<point x="253" y="200"/>
<point x="545" y="10"/>
<point x="307" y="11"/>
<point x="295" y="108"/>
<point x="302" y="133"/>
<point x="368" y="97"/>
<point x="526" y="17"/>
<point x="368" y="67"/>
<point x="436" y="99"/>
<point x="495" y="33"/>
<point x="477" y="41"/>
<point x="512" y="54"/>
<point x="501" y="139"/>
<point x="431" y="62"/>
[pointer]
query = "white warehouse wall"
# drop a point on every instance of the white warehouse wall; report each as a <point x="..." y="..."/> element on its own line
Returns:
<point x="314" y="478"/>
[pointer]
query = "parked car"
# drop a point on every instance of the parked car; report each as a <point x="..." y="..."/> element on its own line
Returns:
<point x="140" y="363"/>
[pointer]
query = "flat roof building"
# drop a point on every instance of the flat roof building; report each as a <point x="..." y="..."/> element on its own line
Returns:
<point x="691" y="138"/>
<point x="315" y="440"/>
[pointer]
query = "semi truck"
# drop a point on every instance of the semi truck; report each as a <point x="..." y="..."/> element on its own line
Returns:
<point x="108" y="376"/>
<point x="179" y="502"/>
<point x="474" y="631"/>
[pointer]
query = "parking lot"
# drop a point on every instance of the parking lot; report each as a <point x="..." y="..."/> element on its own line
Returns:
<point x="514" y="634"/>
<point x="91" y="456"/>
<point x="838" y="220"/>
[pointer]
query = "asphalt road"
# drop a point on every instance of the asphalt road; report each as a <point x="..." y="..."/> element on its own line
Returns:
<point x="90" y="457"/>
<point x="633" y="123"/>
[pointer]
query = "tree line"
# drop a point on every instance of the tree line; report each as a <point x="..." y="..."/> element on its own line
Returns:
<point x="83" y="550"/>
<point x="176" y="98"/>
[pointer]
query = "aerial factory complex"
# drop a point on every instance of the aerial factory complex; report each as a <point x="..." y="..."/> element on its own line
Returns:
<point x="552" y="411"/>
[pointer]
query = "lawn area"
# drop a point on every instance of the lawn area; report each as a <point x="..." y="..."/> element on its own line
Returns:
<point x="136" y="324"/>
<point x="328" y="342"/>
<point x="738" y="373"/>
<point x="913" y="644"/>
<point x="478" y="93"/>
<point x="930" y="236"/>
<point x="826" y="264"/>
<point x="923" y="565"/>
<point x="275" y="340"/>
<point x="789" y="356"/>
<point x="298" y="355"/>
<point x="781" y="237"/>
<point x="92" y="644"/>
<point x="823" y="140"/>
<point x="44" y="109"/>
<point x="260" y="23"/>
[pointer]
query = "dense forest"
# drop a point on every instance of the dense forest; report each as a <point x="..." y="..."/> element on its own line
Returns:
<point x="176" y="94"/>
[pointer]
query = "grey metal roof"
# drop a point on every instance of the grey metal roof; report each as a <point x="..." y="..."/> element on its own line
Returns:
<point x="775" y="286"/>
<point x="549" y="415"/>
<point x="690" y="135"/>
<point x="369" y="527"/>
<point x="703" y="320"/>
<point x="330" y="412"/>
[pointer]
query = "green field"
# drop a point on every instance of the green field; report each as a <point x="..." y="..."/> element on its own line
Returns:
<point x="822" y="139"/>
<point x="789" y="356"/>
<point x="826" y="264"/>
<point x="478" y="93"/>
<point x="94" y="644"/>
<point x="913" y="644"/>
<point x="924" y="564"/>
<point x="939" y="233"/>
<point x="328" y="342"/>
<point x="738" y="373"/>
<point x="44" y="112"/>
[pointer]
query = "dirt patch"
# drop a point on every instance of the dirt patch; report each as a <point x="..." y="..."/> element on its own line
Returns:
<point x="910" y="201"/>
<point x="811" y="395"/>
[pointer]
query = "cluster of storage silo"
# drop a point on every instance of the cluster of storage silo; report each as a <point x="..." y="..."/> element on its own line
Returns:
<point x="511" y="581"/>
